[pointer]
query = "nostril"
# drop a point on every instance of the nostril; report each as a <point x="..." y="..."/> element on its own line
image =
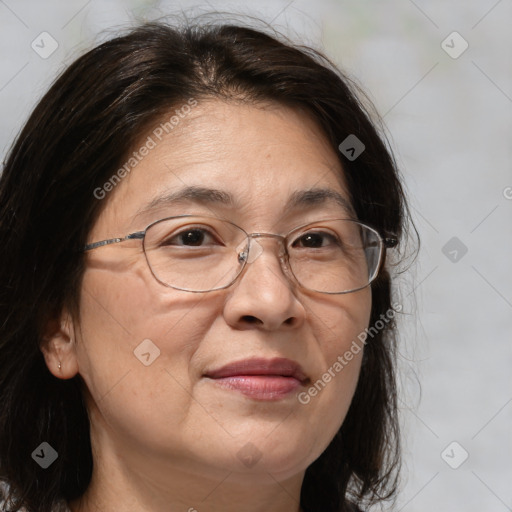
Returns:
<point x="251" y="319"/>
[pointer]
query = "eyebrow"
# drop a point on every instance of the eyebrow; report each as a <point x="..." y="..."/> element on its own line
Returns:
<point x="299" y="199"/>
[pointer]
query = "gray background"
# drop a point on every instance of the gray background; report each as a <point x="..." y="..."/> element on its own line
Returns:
<point x="450" y="124"/>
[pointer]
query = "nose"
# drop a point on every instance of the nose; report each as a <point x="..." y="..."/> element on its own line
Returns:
<point x="264" y="296"/>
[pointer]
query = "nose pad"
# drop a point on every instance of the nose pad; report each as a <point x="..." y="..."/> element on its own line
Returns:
<point x="254" y="253"/>
<point x="250" y="250"/>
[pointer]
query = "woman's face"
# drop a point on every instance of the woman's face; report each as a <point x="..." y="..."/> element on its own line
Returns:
<point x="154" y="404"/>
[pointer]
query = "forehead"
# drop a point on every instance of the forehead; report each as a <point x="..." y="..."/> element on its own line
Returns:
<point x="250" y="162"/>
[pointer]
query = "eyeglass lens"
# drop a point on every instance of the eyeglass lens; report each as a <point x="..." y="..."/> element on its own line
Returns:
<point x="202" y="254"/>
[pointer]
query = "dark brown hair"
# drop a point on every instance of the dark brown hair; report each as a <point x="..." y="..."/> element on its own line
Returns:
<point x="79" y="133"/>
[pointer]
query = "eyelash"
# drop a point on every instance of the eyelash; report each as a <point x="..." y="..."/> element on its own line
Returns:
<point x="299" y="238"/>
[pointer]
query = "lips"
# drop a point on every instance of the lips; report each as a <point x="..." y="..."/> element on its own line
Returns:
<point x="261" y="379"/>
<point x="278" y="367"/>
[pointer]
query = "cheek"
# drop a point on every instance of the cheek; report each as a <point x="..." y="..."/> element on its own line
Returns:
<point x="338" y="334"/>
<point x="131" y="306"/>
<point x="339" y="322"/>
<point x="138" y="339"/>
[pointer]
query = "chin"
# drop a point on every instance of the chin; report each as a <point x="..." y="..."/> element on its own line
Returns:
<point x="282" y="456"/>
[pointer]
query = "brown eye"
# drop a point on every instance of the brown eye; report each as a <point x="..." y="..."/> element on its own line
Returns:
<point x="316" y="239"/>
<point x="190" y="237"/>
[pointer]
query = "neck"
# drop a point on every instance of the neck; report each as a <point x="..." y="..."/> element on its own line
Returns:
<point x="121" y="482"/>
<point x="188" y="493"/>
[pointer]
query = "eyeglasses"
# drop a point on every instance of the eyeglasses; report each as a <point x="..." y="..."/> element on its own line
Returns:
<point x="201" y="254"/>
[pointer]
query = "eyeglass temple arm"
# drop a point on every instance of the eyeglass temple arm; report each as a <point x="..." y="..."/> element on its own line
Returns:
<point x="101" y="243"/>
<point x="389" y="242"/>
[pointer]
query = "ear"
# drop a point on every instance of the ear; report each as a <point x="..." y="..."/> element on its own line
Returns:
<point x="58" y="346"/>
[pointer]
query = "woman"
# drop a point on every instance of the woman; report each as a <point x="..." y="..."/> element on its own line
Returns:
<point x="195" y="311"/>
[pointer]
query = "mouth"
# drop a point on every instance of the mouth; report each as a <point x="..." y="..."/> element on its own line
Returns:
<point x="260" y="379"/>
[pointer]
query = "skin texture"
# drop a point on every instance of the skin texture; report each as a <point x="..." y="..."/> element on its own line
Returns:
<point x="163" y="436"/>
